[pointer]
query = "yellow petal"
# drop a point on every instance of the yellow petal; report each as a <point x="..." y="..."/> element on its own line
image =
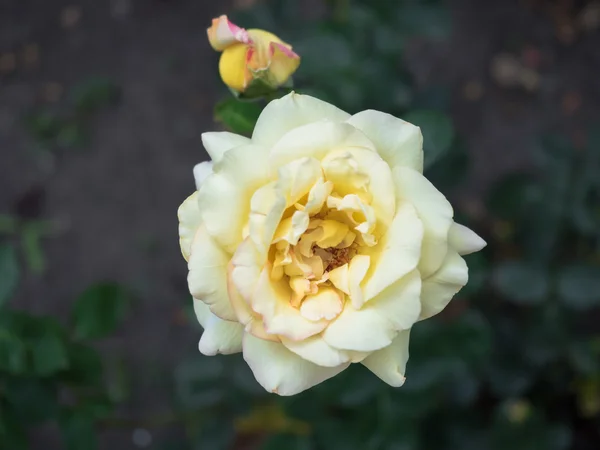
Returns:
<point x="233" y="67"/>
<point x="364" y="173"/>
<point x="284" y="62"/>
<point x="333" y="233"/>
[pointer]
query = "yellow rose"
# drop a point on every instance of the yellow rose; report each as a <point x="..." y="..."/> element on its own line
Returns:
<point x="319" y="243"/>
<point x="250" y="55"/>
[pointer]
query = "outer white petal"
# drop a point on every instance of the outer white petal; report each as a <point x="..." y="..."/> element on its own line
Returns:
<point x="317" y="140"/>
<point x="398" y="142"/>
<point x="220" y="336"/>
<point x="464" y="240"/>
<point x="377" y="323"/>
<point x="201" y="172"/>
<point x="434" y="211"/>
<point x="316" y="350"/>
<point x="289" y="112"/>
<point x="224" y="198"/>
<point x="189" y="222"/>
<point x="207" y="277"/>
<point x="281" y="371"/>
<point x="397" y="253"/>
<point x="389" y="363"/>
<point x="217" y="143"/>
<point x="439" y="288"/>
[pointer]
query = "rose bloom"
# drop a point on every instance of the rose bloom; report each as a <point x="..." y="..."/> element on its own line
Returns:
<point x="318" y="243"/>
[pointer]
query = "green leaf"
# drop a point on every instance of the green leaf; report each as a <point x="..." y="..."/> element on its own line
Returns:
<point x="240" y="117"/>
<point x="43" y="127"/>
<point x="521" y="282"/>
<point x="95" y="93"/>
<point x="9" y="272"/>
<point x="99" y="310"/>
<point x="85" y="365"/>
<point x="78" y="431"/>
<point x="13" y="352"/>
<point x="438" y="133"/>
<point x="12" y="434"/>
<point x="34" y="401"/>
<point x="579" y="286"/>
<point x="49" y="354"/>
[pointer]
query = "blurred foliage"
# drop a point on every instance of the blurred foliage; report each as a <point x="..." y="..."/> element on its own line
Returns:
<point x="514" y="361"/>
<point x="47" y="373"/>
<point x="70" y="128"/>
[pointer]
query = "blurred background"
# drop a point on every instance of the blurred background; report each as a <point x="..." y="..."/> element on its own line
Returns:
<point x="102" y="104"/>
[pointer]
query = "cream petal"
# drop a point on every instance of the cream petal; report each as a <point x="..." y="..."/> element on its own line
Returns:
<point x="220" y="336"/>
<point x="464" y="240"/>
<point x="396" y="254"/>
<point x="207" y="277"/>
<point x="316" y="140"/>
<point x="217" y="143"/>
<point x="326" y="304"/>
<point x="269" y="202"/>
<point x="389" y="363"/>
<point x="348" y="277"/>
<point x="342" y="165"/>
<point x="439" y="288"/>
<point x="292" y="111"/>
<point x="271" y="299"/>
<point x="318" y="196"/>
<point x="433" y="209"/>
<point x="201" y="172"/>
<point x="375" y="325"/>
<point x="249" y="319"/>
<point x="189" y="221"/>
<point x="316" y="350"/>
<point x="281" y="371"/>
<point x="398" y="142"/>
<point x="297" y="177"/>
<point x="266" y="210"/>
<point x="224" y="198"/>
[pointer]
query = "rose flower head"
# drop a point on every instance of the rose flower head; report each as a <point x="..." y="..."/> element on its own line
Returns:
<point x="251" y="59"/>
<point x="318" y="243"/>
